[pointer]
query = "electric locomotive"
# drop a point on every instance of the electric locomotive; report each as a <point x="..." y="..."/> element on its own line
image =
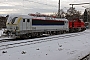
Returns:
<point x="24" y="26"/>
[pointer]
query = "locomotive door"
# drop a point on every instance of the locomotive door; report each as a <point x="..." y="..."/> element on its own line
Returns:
<point x="66" y="24"/>
<point x="72" y="24"/>
<point x="28" y="24"/>
<point x="24" y="24"/>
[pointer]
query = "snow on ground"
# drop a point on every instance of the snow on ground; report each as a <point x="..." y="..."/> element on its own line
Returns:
<point x="72" y="48"/>
<point x="1" y="32"/>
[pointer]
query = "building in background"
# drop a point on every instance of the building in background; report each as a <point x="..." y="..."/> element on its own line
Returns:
<point x="88" y="15"/>
<point x="2" y="22"/>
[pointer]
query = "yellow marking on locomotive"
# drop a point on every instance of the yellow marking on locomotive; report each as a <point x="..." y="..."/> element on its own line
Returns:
<point x="20" y="18"/>
<point x="18" y="22"/>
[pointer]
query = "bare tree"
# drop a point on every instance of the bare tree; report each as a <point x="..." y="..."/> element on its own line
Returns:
<point x="72" y="13"/>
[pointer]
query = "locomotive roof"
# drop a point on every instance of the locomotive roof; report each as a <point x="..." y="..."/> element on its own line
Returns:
<point x="63" y="19"/>
<point x="50" y="18"/>
<point x="43" y="18"/>
<point x="46" y="17"/>
<point x="25" y="16"/>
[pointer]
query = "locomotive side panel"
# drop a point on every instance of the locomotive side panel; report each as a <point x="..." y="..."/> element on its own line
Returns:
<point x="48" y="25"/>
<point x="25" y="24"/>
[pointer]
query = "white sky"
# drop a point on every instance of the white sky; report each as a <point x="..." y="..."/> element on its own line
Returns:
<point x="41" y="6"/>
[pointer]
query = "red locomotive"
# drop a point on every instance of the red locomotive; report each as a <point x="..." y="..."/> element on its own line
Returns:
<point x="76" y="25"/>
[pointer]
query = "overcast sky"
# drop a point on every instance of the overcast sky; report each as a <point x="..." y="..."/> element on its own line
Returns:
<point x="41" y="6"/>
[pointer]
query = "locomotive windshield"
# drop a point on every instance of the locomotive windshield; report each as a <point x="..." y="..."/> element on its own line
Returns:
<point x="13" y="20"/>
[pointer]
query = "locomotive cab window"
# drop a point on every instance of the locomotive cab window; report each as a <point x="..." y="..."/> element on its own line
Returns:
<point x="23" y="20"/>
<point x="28" y="20"/>
<point x="13" y="20"/>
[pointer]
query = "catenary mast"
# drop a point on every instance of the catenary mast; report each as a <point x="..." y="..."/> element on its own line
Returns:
<point x="59" y="9"/>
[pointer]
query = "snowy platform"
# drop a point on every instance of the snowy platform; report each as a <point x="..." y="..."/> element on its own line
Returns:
<point x="68" y="48"/>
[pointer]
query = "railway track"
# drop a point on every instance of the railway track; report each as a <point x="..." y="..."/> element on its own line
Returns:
<point x="12" y="44"/>
<point x="87" y="57"/>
